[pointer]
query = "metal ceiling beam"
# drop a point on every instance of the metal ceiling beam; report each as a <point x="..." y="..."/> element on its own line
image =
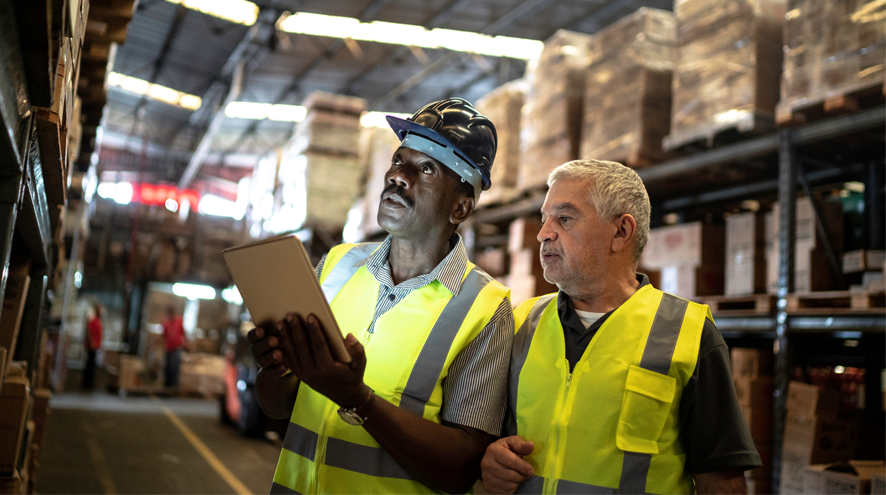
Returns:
<point x="502" y="23"/>
<point x="600" y="15"/>
<point x="245" y="57"/>
<point x="367" y="14"/>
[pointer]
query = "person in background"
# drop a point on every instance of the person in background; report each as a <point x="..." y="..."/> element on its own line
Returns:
<point x="615" y="386"/>
<point x="429" y="333"/>
<point x="93" y="343"/>
<point x="174" y="340"/>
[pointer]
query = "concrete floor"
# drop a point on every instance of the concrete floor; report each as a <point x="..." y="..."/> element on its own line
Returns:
<point x="100" y="443"/>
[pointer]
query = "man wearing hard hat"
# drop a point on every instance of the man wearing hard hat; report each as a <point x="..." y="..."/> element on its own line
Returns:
<point x="430" y="333"/>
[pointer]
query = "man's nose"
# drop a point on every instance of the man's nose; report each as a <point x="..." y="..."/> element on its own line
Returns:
<point x="547" y="232"/>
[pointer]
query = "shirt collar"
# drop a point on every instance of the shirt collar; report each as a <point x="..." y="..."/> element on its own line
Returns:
<point x="564" y="302"/>
<point x="449" y="272"/>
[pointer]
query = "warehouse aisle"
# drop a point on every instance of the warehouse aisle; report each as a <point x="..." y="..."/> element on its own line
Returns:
<point x="99" y="443"/>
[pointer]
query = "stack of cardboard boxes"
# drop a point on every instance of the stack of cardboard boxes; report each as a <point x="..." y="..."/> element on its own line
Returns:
<point x="503" y="106"/>
<point x="15" y="404"/>
<point x="727" y="65"/>
<point x="688" y="259"/>
<point x="752" y="376"/>
<point x="552" y="114"/>
<point x="201" y="374"/>
<point x="627" y="98"/>
<point x="815" y="433"/>
<point x="813" y="270"/>
<point x="323" y="176"/>
<point x="834" y="49"/>
<point x="745" y="271"/>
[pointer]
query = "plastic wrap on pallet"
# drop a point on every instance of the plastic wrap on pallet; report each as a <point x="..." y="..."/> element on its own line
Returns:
<point x="728" y="58"/>
<point x="321" y="100"/>
<point x="377" y="147"/>
<point x="628" y="89"/>
<point x="832" y="48"/>
<point x="503" y="107"/>
<point x="328" y="132"/>
<point x="552" y="114"/>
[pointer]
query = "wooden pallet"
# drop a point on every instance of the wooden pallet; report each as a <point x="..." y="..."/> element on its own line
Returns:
<point x="852" y="100"/>
<point x="837" y="302"/>
<point x="704" y="137"/>
<point x="750" y="305"/>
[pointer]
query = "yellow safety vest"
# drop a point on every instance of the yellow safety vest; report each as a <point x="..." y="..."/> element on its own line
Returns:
<point x="408" y="358"/>
<point x="612" y="424"/>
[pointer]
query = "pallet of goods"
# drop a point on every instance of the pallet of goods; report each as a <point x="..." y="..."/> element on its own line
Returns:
<point x="627" y="98"/>
<point x="552" y="114"/>
<point x="320" y="172"/>
<point x="754" y="387"/>
<point x="833" y="62"/>
<point x="503" y="106"/>
<point x="727" y="68"/>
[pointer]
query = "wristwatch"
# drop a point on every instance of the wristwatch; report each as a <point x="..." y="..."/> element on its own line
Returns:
<point x="356" y="416"/>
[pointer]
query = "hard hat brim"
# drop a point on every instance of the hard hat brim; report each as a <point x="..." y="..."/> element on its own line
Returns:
<point x="402" y="127"/>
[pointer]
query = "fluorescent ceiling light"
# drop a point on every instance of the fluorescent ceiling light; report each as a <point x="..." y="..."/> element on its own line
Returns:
<point x="193" y="291"/>
<point x="120" y="192"/>
<point x="232" y="295"/>
<point x="410" y="35"/>
<point x="236" y="11"/>
<point x="377" y="119"/>
<point x="154" y="91"/>
<point x="261" y="111"/>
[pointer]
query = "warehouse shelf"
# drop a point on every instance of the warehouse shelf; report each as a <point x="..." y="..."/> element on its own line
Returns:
<point x="802" y="324"/>
<point x="13" y="102"/>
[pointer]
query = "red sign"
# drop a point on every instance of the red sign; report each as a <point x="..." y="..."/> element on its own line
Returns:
<point x="158" y="194"/>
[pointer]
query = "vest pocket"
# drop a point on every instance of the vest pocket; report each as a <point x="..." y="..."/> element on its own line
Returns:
<point x="647" y="403"/>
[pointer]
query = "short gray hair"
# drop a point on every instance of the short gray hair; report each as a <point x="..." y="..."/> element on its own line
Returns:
<point x="617" y="190"/>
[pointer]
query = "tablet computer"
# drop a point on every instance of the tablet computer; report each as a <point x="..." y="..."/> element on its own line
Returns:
<point x="275" y="277"/>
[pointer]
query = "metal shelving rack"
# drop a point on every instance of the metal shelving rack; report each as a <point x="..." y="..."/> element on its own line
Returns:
<point x="775" y="167"/>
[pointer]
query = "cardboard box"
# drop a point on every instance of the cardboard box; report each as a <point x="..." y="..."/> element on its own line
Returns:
<point x="808" y="401"/>
<point x="863" y="260"/>
<point x="13" y="414"/>
<point x="750" y="362"/>
<point x="818" y="440"/>
<point x="849" y="478"/>
<point x="493" y="261"/>
<point x="689" y="256"/>
<point x="813" y="271"/>
<point x="40" y="414"/>
<point x="754" y="391"/>
<point x="503" y="106"/>
<point x="759" y="421"/>
<point x="14" y="305"/>
<point x="745" y="271"/>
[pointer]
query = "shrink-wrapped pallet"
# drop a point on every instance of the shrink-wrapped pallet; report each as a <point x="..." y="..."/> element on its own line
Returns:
<point x="552" y="115"/>
<point x="320" y="174"/>
<point x="377" y="147"/>
<point x="834" y="56"/>
<point x="503" y="107"/>
<point x="727" y="66"/>
<point x="627" y="103"/>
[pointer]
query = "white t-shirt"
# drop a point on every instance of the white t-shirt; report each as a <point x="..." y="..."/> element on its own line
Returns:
<point x="588" y="318"/>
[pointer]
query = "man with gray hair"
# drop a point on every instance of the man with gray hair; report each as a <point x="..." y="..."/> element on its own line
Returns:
<point x="614" y="386"/>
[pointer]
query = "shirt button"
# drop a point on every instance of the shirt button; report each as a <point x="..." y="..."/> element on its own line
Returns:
<point x="392" y="297"/>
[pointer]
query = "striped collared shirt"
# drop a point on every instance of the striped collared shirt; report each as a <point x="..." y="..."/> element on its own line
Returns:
<point x="474" y="392"/>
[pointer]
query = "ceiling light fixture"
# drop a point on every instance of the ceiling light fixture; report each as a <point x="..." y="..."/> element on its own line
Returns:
<point x="155" y="91"/>
<point x="262" y="111"/>
<point x="408" y="35"/>
<point x="236" y="11"/>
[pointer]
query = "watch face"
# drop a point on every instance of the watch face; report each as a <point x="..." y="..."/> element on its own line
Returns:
<point x="350" y="417"/>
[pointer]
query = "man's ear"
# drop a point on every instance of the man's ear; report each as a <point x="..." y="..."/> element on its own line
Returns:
<point x="463" y="210"/>
<point x="625" y="228"/>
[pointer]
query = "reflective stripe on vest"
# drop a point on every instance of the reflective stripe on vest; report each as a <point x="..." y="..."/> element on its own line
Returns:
<point x="344" y="269"/>
<point x="657" y="356"/>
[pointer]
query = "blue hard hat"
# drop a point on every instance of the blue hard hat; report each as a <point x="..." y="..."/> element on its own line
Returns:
<point x="453" y="132"/>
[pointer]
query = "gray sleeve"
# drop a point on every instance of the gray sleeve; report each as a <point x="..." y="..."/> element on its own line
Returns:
<point x="319" y="269"/>
<point x="712" y="427"/>
<point x="475" y="391"/>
